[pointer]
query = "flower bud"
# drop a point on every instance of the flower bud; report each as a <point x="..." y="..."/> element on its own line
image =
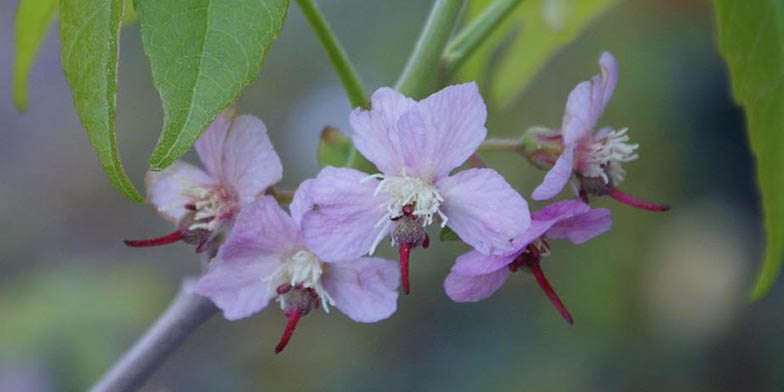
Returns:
<point x="542" y="146"/>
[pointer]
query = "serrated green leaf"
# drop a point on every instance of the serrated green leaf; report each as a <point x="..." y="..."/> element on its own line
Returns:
<point x="447" y="234"/>
<point x="32" y="22"/>
<point x="523" y="44"/>
<point x="751" y="40"/>
<point x="334" y="148"/>
<point x="202" y="54"/>
<point x="89" y="31"/>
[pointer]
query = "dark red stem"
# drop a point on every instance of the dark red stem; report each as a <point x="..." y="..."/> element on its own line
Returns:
<point x="162" y="240"/>
<point x="545" y="285"/>
<point x="626" y="199"/>
<point x="293" y="317"/>
<point x="405" y="252"/>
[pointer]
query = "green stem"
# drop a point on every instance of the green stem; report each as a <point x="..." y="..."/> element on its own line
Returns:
<point x="337" y="55"/>
<point x="420" y="76"/>
<point x="501" y="144"/>
<point x="472" y="36"/>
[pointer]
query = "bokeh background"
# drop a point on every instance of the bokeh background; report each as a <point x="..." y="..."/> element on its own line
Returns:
<point x="659" y="301"/>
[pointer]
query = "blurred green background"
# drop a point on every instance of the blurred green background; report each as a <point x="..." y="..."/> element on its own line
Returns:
<point x="659" y="301"/>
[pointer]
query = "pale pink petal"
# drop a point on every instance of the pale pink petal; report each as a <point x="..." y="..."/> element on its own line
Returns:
<point x="582" y="227"/>
<point x="560" y="210"/>
<point x="341" y="224"/>
<point x="262" y="227"/>
<point x="484" y="210"/>
<point x="557" y="177"/>
<point x="167" y="190"/>
<point x="301" y="203"/>
<point x="209" y="146"/>
<point x="250" y="163"/>
<point x="375" y="130"/>
<point x="472" y="288"/>
<point x="442" y="131"/>
<point x="587" y="101"/>
<point x="477" y="263"/>
<point x="364" y="289"/>
<point x="604" y="85"/>
<point x="236" y="285"/>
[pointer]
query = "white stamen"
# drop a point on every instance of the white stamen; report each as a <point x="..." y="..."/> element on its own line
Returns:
<point x="406" y="190"/>
<point x="301" y="269"/>
<point x="607" y="155"/>
<point x="211" y="205"/>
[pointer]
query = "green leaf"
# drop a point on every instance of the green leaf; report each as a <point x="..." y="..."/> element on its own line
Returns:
<point x="751" y="40"/>
<point x="33" y="19"/>
<point x="525" y="41"/>
<point x="89" y="31"/>
<point x="448" y="234"/>
<point x="202" y="54"/>
<point x="334" y="149"/>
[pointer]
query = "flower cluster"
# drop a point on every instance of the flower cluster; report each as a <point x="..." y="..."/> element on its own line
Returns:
<point x="319" y="254"/>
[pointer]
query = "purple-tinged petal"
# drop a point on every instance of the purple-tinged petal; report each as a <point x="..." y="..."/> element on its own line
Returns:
<point x="477" y="263"/>
<point x="343" y="213"/>
<point x="582" y="227"/>
<point x="472" y="288"/>
<point x="301" y="203"/>
<point x="375" y="130"/>
<point x="250" y="163"/>
<point x="209" y="146"/>
<point x="604" y="85"/>
<point x="484" y="210"/>
<point x="442" y="131"/>
<point x="364" y="289"/>
<point x="236" y="285"/>
<point x="167" y="190"/>
<point x="587" y="101"/>
<point x="262" y="228"/>
<point x="560" y="210"/>
<point x="557" y="177"/>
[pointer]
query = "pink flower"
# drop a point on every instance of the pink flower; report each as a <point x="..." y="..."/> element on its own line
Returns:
<point x="265" y="258"/>
<point x="415" y="145"/>
<point x="594" y="160"/>
<point x="476" y="276"/>
<point x="240" y="165"/>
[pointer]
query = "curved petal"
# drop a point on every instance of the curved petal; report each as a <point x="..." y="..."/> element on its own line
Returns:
<point x="364" y="289"/>
<point x="472" y="288"/>
<point x="442" y="131"/>
<point x="545" y="218"/>
<point x="477" y="263"/>
<point x="237" y="285"/>
<point x="250" y="163"/>
<point x="604" y="85"/>
<point x="582" y="227"/>
<point x="587" y="101"/>
<point x="557" y="177"/>
<point x="301" y="202"/>
<point x="167" y="190"/>
<point x="375" y="130"/>
<point x="343" y="217"/>
<point x="209" y="146"/>
<point x="262" y="228"/>
<point x="485" y="211"/>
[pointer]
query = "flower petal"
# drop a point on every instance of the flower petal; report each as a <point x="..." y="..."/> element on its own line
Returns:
<point x="557" y="177"/>
<point x="364" y="289"/>
<point x="477" y="263"/>
<point x="261" y="228"/>
<point x="375" y="130"/>
<point x="442" y="131"/>
<point x="472" y="288"/>
<point x="341" y="224"/>
<point x="250" y="163"/>
<point x="209" y="146"/>
<point x="301" y="203"/>
<point x="236" y="285"/>
<point x="485" y="211"/>
<point x="167" y="190"/>
<point x="582" y="227"/>
<point x="587" y="101"/>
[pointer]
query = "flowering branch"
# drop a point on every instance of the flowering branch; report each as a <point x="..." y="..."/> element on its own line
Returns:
<point x="337" y="55"/>
<point x="419" y="77"/>
<point x="186" y="312"/>
<point x="472" y="36"/>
